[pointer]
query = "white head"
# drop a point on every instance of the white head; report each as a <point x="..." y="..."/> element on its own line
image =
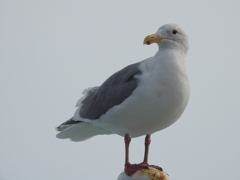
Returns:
<point x="169" y="36"/>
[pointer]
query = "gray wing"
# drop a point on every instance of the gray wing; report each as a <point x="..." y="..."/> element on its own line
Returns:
<point x="111" y="93"/>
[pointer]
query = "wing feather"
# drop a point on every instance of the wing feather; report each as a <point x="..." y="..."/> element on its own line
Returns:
<point x="111" y="93"/>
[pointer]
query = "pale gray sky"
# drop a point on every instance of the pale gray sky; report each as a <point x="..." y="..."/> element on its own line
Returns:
<point x="52" y="50"/>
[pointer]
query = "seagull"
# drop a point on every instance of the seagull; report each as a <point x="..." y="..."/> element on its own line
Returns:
<point x="138" y="100"/>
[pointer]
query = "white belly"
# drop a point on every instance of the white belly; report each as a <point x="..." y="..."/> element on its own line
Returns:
<point x="157" y="102"/>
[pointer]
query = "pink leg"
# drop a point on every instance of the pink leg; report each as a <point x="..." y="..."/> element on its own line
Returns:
<point x="130" y="169"/>
<point x="147" y="143"/>
<point x="145" y="160"/>
<point x="127" y="140"/>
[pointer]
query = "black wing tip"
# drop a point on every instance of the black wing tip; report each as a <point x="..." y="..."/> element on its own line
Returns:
<point x="67" y="124"/>
<point x="58" y="128"/>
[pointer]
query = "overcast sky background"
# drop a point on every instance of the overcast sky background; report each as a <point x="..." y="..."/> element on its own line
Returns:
<point x="51" y="50"/>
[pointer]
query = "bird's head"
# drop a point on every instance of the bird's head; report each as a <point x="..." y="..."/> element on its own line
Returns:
<point x="168" y="36"/>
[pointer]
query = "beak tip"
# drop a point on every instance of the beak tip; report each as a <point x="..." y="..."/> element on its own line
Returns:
<point x="153" y="38"/>
<point x="146" y="43"/>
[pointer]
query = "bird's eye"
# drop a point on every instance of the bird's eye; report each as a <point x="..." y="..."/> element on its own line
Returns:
<point x="174" y="31"/>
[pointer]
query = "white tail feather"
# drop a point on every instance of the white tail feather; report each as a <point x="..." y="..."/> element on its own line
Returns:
<point x="81" y="132"/>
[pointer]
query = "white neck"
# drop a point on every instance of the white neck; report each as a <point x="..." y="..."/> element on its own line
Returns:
<point x="174" y="46"/>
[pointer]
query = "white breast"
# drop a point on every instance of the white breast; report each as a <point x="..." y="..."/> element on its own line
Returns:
<point x="157" y="102"/>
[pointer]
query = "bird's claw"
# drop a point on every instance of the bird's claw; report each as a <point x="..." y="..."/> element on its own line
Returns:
<point x="131" y="169"/>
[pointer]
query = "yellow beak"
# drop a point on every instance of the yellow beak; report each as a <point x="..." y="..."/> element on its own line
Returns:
<point x="153" y="38"/>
